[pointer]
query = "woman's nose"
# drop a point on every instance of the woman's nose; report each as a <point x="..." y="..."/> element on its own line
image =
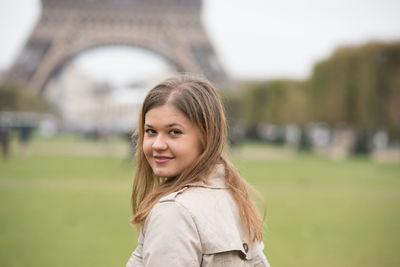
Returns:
<point x="160" y="143"/>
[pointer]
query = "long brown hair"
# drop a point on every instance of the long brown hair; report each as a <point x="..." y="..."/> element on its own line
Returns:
<point x="198" y="100"/>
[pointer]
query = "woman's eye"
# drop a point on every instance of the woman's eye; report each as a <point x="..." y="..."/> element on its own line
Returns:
<point x="175" y="132"/>
<point x="150" y="131"/>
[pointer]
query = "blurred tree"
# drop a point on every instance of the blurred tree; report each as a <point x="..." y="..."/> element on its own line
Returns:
<point x="233" y="107"/>
<point x="274" y="102"/>
<point x="287" y="102"/>
<point x="14" y="97"/>
<point x="359" y="86"/>
<point x="389" y="69"/>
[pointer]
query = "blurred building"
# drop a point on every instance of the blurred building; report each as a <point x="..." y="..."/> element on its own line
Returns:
<point x="86" y="106"/>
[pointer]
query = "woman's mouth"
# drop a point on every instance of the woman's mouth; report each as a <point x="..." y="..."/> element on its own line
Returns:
<point x="162" y="159"/>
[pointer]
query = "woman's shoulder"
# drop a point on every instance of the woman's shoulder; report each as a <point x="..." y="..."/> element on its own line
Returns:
<point x="205" y="218"/>
<point x="197" y="201"/>
<point x="188" y="201"/>
<point x="199" y="191"/>
<point x="210" y="211"/>
<point x="203" y="196"/>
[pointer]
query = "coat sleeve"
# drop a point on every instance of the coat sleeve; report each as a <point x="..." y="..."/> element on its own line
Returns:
<point x="171" y="238"/>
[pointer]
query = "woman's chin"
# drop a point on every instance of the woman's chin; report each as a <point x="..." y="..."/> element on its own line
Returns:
<point x="164" y="173"/>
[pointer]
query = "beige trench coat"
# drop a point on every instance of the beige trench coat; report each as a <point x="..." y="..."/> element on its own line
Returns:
<point x="197" y="226"/>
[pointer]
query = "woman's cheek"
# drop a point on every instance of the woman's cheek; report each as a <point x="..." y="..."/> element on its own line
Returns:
<point x="147" y="145"/>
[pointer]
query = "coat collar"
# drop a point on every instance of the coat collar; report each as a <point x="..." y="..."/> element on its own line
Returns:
<point x="216" y="180"/>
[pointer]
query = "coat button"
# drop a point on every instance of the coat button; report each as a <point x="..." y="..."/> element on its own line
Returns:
<point x="245" y="247"/>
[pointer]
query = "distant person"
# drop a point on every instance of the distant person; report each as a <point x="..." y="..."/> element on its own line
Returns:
<point x="25" y="135"/>
<point x="191" y="204"/>
<point x="5" y="140"/>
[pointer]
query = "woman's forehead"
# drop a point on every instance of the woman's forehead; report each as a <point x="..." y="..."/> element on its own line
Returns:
<point x="166" y="115"/>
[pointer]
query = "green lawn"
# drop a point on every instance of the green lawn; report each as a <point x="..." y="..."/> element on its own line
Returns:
<point x="67" y="204"/>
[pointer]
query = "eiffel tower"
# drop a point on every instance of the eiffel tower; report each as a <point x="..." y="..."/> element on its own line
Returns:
<point x="170" y="28"/>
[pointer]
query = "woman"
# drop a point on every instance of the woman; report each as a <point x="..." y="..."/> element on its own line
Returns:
<point x="192" y="206"/>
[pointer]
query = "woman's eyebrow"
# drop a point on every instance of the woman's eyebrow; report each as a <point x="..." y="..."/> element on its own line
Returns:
<point x="166" y="126"/>
<point x="174" y="124"/>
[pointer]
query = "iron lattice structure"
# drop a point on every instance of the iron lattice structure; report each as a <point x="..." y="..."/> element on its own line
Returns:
<point x="171" y="28"/>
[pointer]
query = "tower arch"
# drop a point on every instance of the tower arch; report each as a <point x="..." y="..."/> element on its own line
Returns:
<point x="169" y="28"/>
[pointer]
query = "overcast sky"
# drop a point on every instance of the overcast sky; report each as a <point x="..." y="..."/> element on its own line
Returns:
<point x="255" y="39"/>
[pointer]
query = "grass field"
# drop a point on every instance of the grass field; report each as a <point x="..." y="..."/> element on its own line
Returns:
<point x="66" y="203"/>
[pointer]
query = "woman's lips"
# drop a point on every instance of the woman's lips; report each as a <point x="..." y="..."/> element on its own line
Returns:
<point x="162" y="159"/>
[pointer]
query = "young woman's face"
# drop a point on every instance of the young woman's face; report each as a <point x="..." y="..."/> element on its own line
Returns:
<point x="171" y="141"/>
